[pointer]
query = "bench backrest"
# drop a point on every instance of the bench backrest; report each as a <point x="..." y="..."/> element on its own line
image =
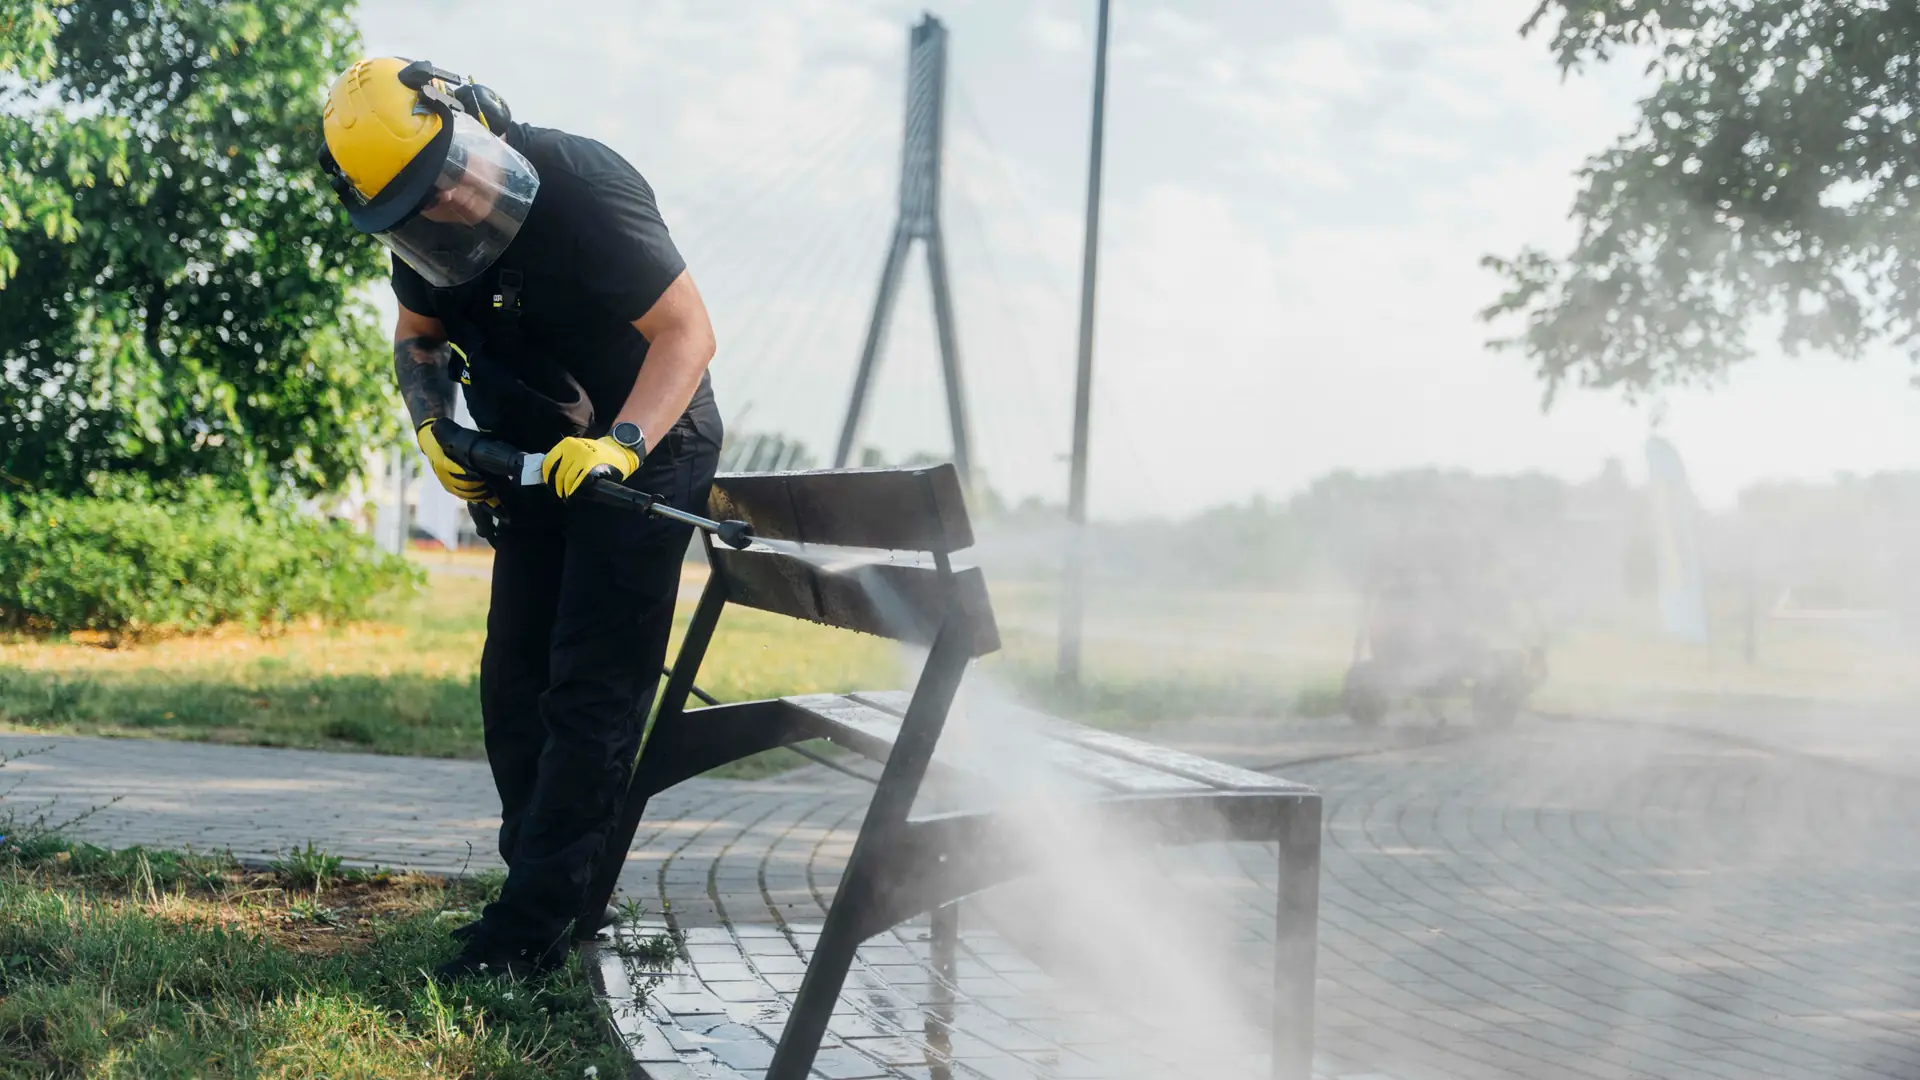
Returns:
<point x="922" y="509"/>
<point x="858" y="549"/>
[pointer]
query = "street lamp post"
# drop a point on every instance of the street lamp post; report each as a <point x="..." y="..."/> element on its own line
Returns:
<point x="1073" y="585"/>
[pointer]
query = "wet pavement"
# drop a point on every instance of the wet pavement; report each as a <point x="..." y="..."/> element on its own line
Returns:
<point x="1567" y="899"/>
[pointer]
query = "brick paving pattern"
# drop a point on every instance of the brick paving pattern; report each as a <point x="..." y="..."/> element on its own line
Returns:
<point x="1568" y="900"/>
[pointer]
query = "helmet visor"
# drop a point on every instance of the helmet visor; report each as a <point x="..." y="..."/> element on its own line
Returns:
<point x="471" y="213"/>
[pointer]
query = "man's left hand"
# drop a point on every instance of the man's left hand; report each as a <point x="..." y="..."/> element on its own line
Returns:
<point x="568" y="464"/>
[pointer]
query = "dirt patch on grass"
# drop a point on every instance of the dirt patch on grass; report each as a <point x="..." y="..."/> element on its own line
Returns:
<point x="346" y="911"/>
<point x="155" y="963"/>
<point x="345" y="915"/>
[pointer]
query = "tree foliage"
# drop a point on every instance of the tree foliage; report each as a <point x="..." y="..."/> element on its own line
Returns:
<point x="177" y="285"/>
<point x="1774" y="172"/>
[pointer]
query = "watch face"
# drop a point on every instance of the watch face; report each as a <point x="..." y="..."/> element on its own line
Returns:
<point x="627" y="434"/>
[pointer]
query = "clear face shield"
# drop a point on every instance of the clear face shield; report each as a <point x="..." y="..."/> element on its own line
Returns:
<point x="471" y="213"/>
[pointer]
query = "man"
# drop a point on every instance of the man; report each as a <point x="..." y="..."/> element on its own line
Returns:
<point x="533" y="267"/>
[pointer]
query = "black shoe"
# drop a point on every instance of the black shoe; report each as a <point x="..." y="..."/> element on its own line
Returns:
<point x="608" y="916"/>
<point x="487" y="957"/>
<point x="466" y="930"/>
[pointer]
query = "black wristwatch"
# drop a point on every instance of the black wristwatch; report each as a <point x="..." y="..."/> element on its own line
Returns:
<point x="628" y="434"/>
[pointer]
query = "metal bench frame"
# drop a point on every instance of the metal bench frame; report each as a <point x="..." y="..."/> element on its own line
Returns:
<point x="902" y="866"/>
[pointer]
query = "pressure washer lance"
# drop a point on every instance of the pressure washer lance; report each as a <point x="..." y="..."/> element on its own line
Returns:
<point x="475" y="451"/>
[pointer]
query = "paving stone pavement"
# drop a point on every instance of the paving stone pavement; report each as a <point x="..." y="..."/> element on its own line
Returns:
<point x="1877" y="739"/>
<point x="372" y="810"/>
<point x="1565" y="900"/>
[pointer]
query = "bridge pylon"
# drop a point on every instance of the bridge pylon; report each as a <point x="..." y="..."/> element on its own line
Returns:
<point x="919" y="219"/>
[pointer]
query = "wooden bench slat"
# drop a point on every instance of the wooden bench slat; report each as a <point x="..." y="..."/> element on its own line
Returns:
<point x="1106" y="772"/>
<point x="871" y="733"/>
<point x="1199" y="771"/>
<point x="892" y="702"/>
<point x="918" y="509"/>
<point x="865" y="730"/>
<point x="1217" y="774"/>
<point x="1092" y="774"/>
<point x="902" y="600"/>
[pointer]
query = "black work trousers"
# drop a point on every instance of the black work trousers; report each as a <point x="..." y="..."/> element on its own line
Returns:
<point x="583" y="598"/>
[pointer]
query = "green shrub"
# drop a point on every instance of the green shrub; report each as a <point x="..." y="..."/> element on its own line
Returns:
<point x="141" y="563"/>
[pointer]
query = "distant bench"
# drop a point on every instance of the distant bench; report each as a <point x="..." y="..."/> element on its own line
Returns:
<point x="901" y="584"/>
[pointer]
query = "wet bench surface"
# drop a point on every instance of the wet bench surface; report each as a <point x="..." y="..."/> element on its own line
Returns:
<point x="1078" y="760"/>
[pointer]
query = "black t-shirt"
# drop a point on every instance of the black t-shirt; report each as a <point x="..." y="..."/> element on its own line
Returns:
<point x="592" y="256"/>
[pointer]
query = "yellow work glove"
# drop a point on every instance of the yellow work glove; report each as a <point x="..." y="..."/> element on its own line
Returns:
<point x="458" y="481"/>
<point x="568" y="464"/>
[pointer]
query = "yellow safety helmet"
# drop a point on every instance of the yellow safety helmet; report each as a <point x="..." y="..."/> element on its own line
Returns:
<point x="376" y="125"/>
<point x="411" y="152"/>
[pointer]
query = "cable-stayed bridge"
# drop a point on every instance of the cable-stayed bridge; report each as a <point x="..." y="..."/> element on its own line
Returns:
<point x="888" y="292"/>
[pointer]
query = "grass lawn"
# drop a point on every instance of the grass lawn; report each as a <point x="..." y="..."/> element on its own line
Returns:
<point x="406" y="684"/>
<point x="1153" y="653"/>
<point x="145" y="963"/>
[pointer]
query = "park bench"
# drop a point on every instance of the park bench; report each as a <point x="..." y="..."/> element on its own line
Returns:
<point x="890" y="536"/>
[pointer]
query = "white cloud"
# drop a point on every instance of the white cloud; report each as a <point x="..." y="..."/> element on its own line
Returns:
<point x="1402" y="143"/>
<point x="1323" y="66"/>
<point x="1393" y="20"/>
<point x="1178" y="27"/>
<point x="1184" y="264"/>
<point x="1054" y="33"/>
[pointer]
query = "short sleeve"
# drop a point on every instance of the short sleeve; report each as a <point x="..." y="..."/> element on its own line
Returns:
<point x="627" y="258"/>
<point x="411" y="289"/>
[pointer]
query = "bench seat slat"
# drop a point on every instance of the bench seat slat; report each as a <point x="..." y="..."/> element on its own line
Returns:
<point x="869" y="726"/>
<point x="1107" y="772"/>
<point x="1217" y="774"/>
<point x="871" y="733"/>
<point x="862" y="729"/>
<point x="1198" y="771"/>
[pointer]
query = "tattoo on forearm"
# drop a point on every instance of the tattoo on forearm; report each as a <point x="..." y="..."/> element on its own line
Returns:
<point x="420" y="365"/>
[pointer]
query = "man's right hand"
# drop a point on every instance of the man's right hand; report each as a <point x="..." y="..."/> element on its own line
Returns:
<point x="458" y="481"/>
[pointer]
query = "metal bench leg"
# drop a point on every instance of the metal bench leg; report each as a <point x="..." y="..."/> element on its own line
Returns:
<point x="673" y="703"/>
<point x="938" y="1027"/>
<point x="1296" y="939"/>
<point x="946" y="941"/>
<point x="865" y="879"/>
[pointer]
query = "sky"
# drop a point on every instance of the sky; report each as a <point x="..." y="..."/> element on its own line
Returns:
<point x="1298" y="195"/>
